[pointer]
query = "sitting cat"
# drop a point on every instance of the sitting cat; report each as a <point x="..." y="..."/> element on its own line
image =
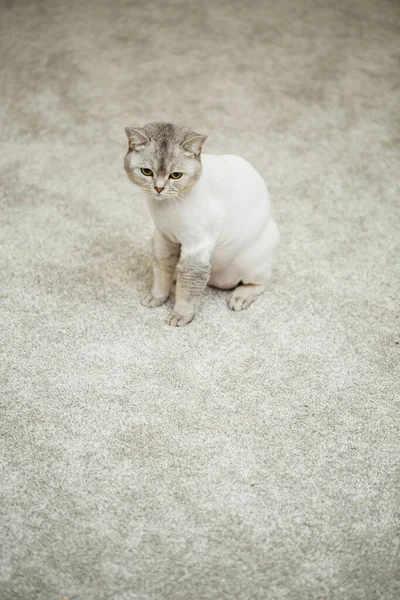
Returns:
<point x="211" y="215"/>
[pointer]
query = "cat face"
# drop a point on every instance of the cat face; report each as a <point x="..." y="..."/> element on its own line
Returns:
<point x="163" y="159"/>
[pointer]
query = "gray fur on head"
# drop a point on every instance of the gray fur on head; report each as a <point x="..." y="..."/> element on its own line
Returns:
<point x="164" y="149"/>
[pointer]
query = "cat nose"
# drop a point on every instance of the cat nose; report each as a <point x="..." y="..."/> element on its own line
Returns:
<point x="159" y="190"/>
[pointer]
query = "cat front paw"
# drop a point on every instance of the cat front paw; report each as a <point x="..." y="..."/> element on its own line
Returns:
<point x="177" y="320"/>
<point x="151" y="302"/>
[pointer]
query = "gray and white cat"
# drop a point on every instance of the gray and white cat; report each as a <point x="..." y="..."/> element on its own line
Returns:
<point x="212" y="218"/>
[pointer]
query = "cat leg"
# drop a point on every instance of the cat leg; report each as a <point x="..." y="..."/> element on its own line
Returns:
<point x="252" y="285"/>
<point x="165" y="258"/>
<point x="256" y="266"/>
<point x="225" y="279"/>
<point x="193" y="272"/>
<point x="245" y="294"/>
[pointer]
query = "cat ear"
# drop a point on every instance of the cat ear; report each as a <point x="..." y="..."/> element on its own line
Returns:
<point x="137" y="138"/>
<point x="193" y="142"/>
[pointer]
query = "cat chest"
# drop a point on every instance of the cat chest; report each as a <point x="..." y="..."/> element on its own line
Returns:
<point x="181" y="225"/>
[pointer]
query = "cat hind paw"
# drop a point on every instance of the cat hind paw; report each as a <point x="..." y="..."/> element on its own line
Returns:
<point x="151" y="302"/>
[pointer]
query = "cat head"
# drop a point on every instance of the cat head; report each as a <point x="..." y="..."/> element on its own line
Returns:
<point x="163" y="159"/>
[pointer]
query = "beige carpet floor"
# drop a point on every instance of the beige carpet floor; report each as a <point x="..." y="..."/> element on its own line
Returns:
<point x="248" y="456"/>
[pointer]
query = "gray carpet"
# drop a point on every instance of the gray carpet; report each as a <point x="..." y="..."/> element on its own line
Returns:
<point x="247" y="456"/>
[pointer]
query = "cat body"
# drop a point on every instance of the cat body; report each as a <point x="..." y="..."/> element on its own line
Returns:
<point x="225" y="216"/>
<point x="212" y="219"/>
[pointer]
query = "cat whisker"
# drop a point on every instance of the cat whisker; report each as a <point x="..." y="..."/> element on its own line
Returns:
<point x="182" y="197"/>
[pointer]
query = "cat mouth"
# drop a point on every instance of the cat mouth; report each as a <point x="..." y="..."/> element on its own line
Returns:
<point x="157" y="196"/>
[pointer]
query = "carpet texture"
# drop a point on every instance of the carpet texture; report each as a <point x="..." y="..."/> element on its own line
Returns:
<point x="247" y="456"/>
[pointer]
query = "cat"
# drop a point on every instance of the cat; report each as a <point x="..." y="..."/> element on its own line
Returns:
<point x="212" y="219"/>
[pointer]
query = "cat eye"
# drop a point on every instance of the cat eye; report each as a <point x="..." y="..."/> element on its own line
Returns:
<point x="176" y="175"/>
<point x="147" y="172"/>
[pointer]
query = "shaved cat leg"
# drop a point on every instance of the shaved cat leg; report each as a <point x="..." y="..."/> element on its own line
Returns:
<point x="165" y="258"/>
<point x="250" y="288"/>
<point x="225" y="279"/>
<point x="193" y="272"/>
<point x="245" y="294"/>
<point x="257" y="262"/>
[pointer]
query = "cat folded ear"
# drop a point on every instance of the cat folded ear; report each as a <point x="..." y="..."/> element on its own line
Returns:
<point x="137" y="138"/>
<point x="193" y="143"/>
